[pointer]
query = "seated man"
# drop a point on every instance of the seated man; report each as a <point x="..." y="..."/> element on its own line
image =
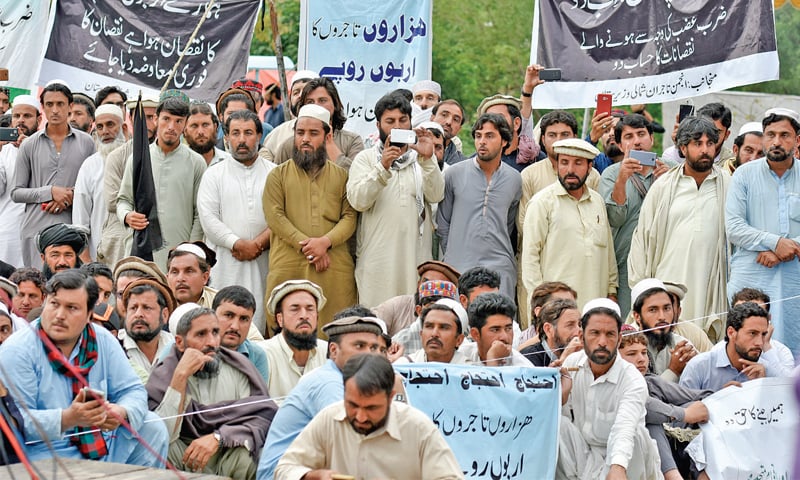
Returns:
<point x="60" y="246"/>
<point x="542" y="294"/>
<point x="651" y="308"/>
<point x="35" y="365"/>
<point x="491" y="318"/>
<point x="352" y="331"/>
<point x="739" y="358"/>
<point x="369" y="436"/>
<point x="667" y="403"/>
<point x="602" y="433"/>
<point x="188" y="271"/>
<point x="148" y="304"/>
<point x="559" y="324"/>
<point x="779" y="353"/>
<point x="427" y="293"/>
<point x="198" y="377"/>
<point x="294" y="350"/>
<point x="235" y="307"/>
<point x="443" y="325"/>
<point x="30" y="290"/>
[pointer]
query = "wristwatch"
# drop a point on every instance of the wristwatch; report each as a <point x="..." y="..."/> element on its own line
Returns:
<point x="219" y="439"/>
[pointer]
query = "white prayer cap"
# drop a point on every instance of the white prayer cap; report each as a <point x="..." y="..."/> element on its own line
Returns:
<point x="576" y="147"/>
<point x="601" y="303"/>
<point x="784" y="112"/>
<point x="645" y="285"/>
<point x="304" y="75"/>
<point x="751" y="127"/>
<point x="178" y="313"/>
<point x="458" y="310"/>
<point x="427" y="86"/>
<point x="28" y="100"/>
<point x="313" y="110"/>
<point x="109" y="109"/>
<point x="432" y="126"/>
<point x="54" y="81"/>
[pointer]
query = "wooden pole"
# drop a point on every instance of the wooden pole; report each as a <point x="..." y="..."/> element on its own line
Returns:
<point x="278" y="47"/>
<point x="188" y="44"/>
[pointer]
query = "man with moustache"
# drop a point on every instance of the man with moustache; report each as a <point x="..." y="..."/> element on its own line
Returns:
<point x="201" y="133"/>
<point x="652" y="311"/>
<point x="680" y="234"/>
<point x="196" y="378"/>
<point x="30" y="290"/>
<point x="559" y="332"/>
<point x="295" y="349"/>
<point x="115" y="235"/>
<point x="177" y="171"/>
<point x="89" y="209"/>
<point x="747" y="146"/>
<point x="442" y="332"/>
<point x="480" y="203"/>
<point x="25" y="118"/>
<point x="234" y="224"/>
<point x="491" y="318"/>
<point x="393" y="186"/>
<point x="305" y="203"/>
<point x="568" y="218"/>
<point x="235" y="307"/>
<point x="761" y="223"/>
<point x="602" y="432"/>
<point x="148" y="304"/>
<point x="46" y="170"/>
<point x="60" y="246"/>
<point x="450" y="115"/>
<point x="82" y="112"/>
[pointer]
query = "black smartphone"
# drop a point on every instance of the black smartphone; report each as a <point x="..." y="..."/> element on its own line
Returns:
<point x="550" y="74"/>
<point x="685" y="110"/>
<point x="9" y="134"/>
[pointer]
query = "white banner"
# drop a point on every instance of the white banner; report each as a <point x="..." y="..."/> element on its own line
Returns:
<point x="23" y="34"/>
<point x="751" y="432"/>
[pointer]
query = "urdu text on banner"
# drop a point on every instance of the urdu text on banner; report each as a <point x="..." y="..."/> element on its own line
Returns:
<point x="135" y="43"/>
<point x="651" y="52"/>
<point x="500" y="422"/>
<point x="367" y="48"/>
<point x="23" y="31"/>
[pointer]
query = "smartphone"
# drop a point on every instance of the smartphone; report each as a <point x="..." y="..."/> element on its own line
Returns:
<point x="399" y="137"/>
<point x="685" y="110"/>
<point x="9" y="134"/>
<point x="550" y="74"/>
<point x="646" y="159"/>
<point x="90" y="394"/>
<point x="603" y="103"/>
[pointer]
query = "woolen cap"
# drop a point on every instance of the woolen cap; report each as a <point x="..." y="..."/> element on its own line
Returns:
<point x="135" y="263"/>
<point x="290" y="286"/>
<point x="9" y="286"/>
<point x="441" y="267"/>
<point x="677" y="289"/>
<point x="576" y="147"/>
<point x="498" y="99"/>
<point x="354" y="325"/>
<point x="162" y="287"/>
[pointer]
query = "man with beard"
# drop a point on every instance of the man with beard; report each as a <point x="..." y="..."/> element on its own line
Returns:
<point x="480" y="203"/>
<point x="680" y="235"/>
<point x="624" y="185"/>
<point x="393" y="186"/>
<point x="747" y="146"/>
<point x="188" y="389"/>
<point x="235" y="306"/>
<point x="305" y="203"/>
<point x="60" y="246"/>
<point x="272" y="97"/>
<point x="201" y="131"/>
<point x="89" y="209"/>
<point x="177" y="171"/>
<point x="652" y="312"/>
<point x="229" y="101"/>
<point x="148" y="304"/>
<point x="559" y="333"/>
<point x="427" y="94"/>
<point x="761" y="224"/>
<point x="565" y="219"/>
<point x="285" y="130"/>
<point x="25" y="118"/>
<point x="602" y="433"/>
<point x="115" y="235"/>
<point x="392" y="439"/>
<point x="450" y="115"/>
<point x="82" y="112"/>
<point x="46" y="170"/>
<point x="233" y="223"/>
<point x="295" y="349"/>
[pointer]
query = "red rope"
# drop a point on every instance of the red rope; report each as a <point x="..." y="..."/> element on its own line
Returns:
<point x="12" y="439"/>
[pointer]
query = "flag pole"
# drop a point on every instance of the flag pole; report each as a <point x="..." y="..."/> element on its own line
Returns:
<point x="278" y="47"/>
<point x="188" y="44"/>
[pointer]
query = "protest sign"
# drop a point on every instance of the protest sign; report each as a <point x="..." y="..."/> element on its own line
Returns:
<point x="135" y="43"/>
<point x="751" y="431"/>
<point x="650" y="52"/>
<point x="23" y="31"/>
<point x="500" y="422"/>
<point x="367" y="50"/>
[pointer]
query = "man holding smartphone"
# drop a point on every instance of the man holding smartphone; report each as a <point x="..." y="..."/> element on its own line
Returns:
<point x="624" y="185"/>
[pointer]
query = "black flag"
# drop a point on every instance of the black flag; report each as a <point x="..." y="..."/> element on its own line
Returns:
<point x="144" y="189"/>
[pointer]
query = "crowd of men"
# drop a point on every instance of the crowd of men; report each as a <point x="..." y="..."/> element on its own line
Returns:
<point x="299" y="260"/>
